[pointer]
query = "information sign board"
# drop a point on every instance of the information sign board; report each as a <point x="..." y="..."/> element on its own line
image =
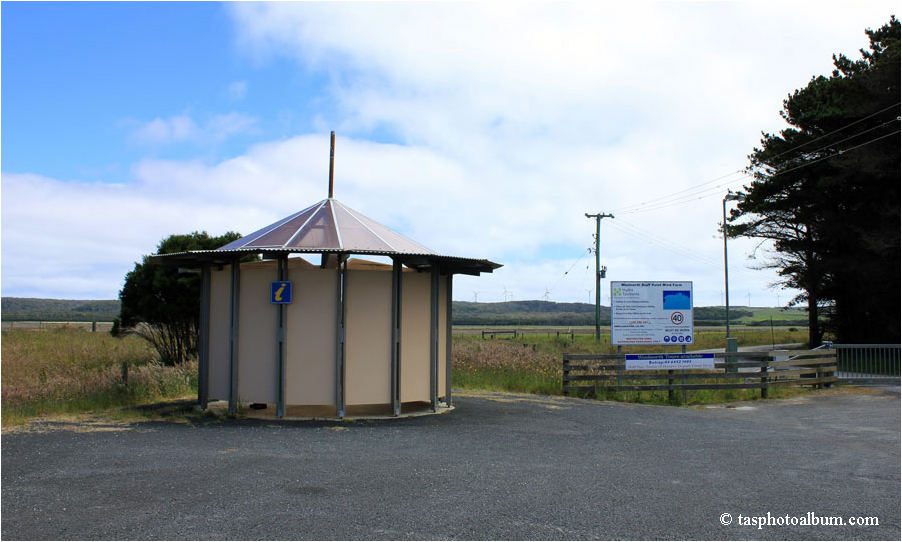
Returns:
<point x="280" y="292"/>
<point x="648" y="362"/>
<point x="651" y="312"/>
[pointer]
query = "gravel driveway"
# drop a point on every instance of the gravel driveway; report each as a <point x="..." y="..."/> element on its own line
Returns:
<point x="498" y="467"/>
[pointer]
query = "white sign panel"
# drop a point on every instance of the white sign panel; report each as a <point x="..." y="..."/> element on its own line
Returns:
<point x="650" y="362"/>
<point x="651" y="312"/>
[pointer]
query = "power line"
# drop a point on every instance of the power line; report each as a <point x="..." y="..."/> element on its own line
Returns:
<point x="630" y="209"/>
<point x="716" y="190"/>
<point x="671" y="246"/>
<point x="587" y="251"/>
<point x="681" y="191"/>
<point x="897" y="104"/>
<point x="708" y="192"/>
<point x="838" y="153"/>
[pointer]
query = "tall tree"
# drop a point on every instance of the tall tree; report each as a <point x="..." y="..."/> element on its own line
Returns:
<point x="826" y="193"/>
<point x="162" y="305"/>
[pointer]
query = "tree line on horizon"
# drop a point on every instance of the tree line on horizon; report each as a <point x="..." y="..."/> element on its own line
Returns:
<point x="24" y="309"/>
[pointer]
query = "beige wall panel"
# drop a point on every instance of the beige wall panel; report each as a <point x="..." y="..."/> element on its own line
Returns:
<point x="220" y="287"/>
<point x="442" y="333"/>
<point x="415" y="317"/>
<point x="368" y="361"/>
<point x="310" y="344"/>
<point x="258" y="331"/>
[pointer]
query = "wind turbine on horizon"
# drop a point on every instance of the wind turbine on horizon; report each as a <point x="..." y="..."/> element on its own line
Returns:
<point x="505" y="293"/>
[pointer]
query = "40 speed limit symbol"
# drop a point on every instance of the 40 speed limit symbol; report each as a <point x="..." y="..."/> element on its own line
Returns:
<point x="676" y="318"/>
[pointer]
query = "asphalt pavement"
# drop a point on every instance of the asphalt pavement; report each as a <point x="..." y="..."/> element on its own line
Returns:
<point x="497" y="467"/>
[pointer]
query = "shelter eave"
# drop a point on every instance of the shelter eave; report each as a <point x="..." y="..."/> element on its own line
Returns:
<point x="448" y="264"/>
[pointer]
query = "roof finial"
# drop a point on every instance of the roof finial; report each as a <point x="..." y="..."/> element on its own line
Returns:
<point x="331" y="163"/>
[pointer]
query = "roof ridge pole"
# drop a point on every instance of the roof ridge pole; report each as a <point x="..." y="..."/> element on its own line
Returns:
<point x="331" y="163"/>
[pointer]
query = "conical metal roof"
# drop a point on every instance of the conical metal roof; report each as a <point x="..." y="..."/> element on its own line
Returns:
<point x="328" y="226"/>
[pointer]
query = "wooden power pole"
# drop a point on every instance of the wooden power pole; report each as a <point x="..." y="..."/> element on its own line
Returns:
<point x="599" y="272"/>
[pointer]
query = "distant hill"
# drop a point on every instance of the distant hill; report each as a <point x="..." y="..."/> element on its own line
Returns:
<point x="535" y="313"/>
<point x="524" y="313"/>
<point x="58" y="310"/>
<point x="549" y="313"/>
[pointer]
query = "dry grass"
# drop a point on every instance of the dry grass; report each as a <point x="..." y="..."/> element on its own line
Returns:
<point x="533" y="363"/>
<point x="505" y="366"/>
<point x="69" y="370"/>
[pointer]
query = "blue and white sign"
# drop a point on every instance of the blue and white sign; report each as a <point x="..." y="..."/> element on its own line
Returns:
<point x="650" y="362"/>
<point x="651" y="313"/>
<point x="280" y="292"/>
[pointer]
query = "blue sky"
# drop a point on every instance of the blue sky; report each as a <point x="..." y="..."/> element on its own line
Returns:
<point x="480" y="130"/>
<point x="84" y="76"/>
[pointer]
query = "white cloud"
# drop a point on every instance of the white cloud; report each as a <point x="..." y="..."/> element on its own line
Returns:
<point x="237" y="90"/>
<point x="420" y="193"/>
<point x="515" y="119"/>
<point x="547" y="111"/>
<point x="184" y="129"/>
<point x="163" y="131"/>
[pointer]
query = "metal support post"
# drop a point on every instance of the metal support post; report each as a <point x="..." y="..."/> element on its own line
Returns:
<point x="341" y="335"/>
<point x="203" y="340"/>
<point x="282" y="275"/>
<point x="433" y="338"/>
<point x="233" y="336"/>
<point x="396" y="337"/>
<point x="448" y="337"/>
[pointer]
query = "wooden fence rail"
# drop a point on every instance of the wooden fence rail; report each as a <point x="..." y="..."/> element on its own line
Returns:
<point x="46" y="325"/>
<point x="732" y="370"/>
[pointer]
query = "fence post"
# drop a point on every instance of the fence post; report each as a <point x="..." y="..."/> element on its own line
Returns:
<point x="670" y="383"/>
<point x="764" y="378"/>
<point x="566" y="374"/>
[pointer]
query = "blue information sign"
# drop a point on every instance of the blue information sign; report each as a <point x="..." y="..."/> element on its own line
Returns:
<point x="280" y="292"/>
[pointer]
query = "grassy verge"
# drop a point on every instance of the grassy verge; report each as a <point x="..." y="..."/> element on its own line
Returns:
<point x="532" y="364"/>
<point x="69" y="370"/>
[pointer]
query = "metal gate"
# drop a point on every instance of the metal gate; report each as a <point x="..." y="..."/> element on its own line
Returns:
<point x="867" y="363"/>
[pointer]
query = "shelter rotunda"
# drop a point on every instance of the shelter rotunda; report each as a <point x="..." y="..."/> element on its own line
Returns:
<point x="342" y="337"/>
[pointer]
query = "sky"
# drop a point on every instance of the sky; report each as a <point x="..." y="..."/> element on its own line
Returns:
<point x="483" y="130"/>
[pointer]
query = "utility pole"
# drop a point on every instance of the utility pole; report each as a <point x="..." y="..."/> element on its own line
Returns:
<point x="599" y="272"/>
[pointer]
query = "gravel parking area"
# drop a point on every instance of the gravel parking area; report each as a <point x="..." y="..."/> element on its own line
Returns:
<point x="499" y="466"/>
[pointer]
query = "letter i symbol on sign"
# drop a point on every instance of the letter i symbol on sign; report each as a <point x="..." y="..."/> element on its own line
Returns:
<point x="279" y="292"/>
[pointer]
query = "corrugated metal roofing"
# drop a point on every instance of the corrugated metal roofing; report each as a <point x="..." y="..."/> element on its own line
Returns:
<point x="329" y="226"/>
